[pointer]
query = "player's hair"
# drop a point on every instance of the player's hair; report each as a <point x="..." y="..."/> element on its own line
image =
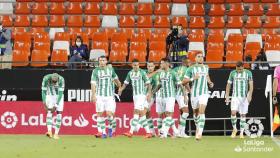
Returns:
<point x="197" y="53"/>
<point x="165" y="60"/>
<point x="150" y="62"/>
<point x="102" y="56"/>
<point x="239" y="64"/>
<point x="135" y="61"/>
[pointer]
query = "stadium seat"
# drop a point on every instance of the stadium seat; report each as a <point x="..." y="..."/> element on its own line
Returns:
<point x="245" y="31"/>
<point x="22" y="21"/>
<point x="217" y="10"/>
<point x="162" y="9"/>
<point x="127" y="9"/>
<point x="6" y="8"/>
<point x="62" y="36"/>
<point x="62" y="45"/>
<point x="215" y="56"/>
<point x="179" y="10"/>
<point x="254" y="38"/>
<point x="144" y="21"/>
<point x="271" y="46"/>
<point x="21" y="45"/>
<point x="216" y="1"/>
<point x="255" y="9"/>
<point x="267" y="31"/>
<point x="236" y="9"/>
<point x="41" y="37"/>
<point x="7" y="20"/>
<point x="75" y="21"/>
<point x="177" y="20"/>
<point x="235" y="38"/>
<point x="162" y="22"/>
<point x="34" y="30"/>
<point x="59" y="57"/>
<point x="216" y="32"/>
<point x="138" y="54"/>
<point x="126" y="21"/>
<point x="42" y="46"/>
<point x="234" y="22"/>
<point x="231" y="31"/>
<point x="39" y="21"/>
<point x="92" y="21"/>
<point x="74" y="30"/>
<point x="101" y="45"/>
<point x="109" y="9"/>
<point x="196" y="35"/>
<point x="39" y="56"/>
<point x="90" y="31"/>
<point x="144" y="9"/>
<point x="16" y="30"/>
<point x="273" y="9"/>
<point x="197" y="1"/>
<point x="128" y="1"/>
<point x="119" y="37"/>
<point x="145" y="1"/>
<point x="233" y="56"/>
<point x="120" y="46"/>
<point x="110" y="31"/>
<point x="53" y="30"/>
<point x="197" y="46"/>
<point x="196" y="22"/>
<point x="216" y="22"/>
<point x="272" y="22"/>
<point x="57" y="21"/>
<point x="92" y="8"/>
<point x="253" y="22"/>
<point x="109" y="21"/>
<point x="215" y="38"/>
<point x="57" y="8"/>
<point x="145" y="31"/>
<point x="252" y="49"/>
<point x="99" y="36"/>
<point x="268" y="1"/>
<point x="156" y="55"/>
<point x="117" y="56"/>
<point x="128" y="32"/>
<point x="20" y="58"/>
<point x="174" y="1"/>
<point x="250" y="1"/>
<point x="163" y="31"/>
<point x="74" y="8"/>
<point x="138" y="37"/>
<point x="233" y="1"/>
<point x="22" y="8"/>
<point x="157" y="37"/>
<point x="196" y="9"/>
<point x="40" y="8"/>
<point x="157" y="45"/>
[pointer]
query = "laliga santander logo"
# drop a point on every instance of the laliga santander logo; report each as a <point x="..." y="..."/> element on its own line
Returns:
<point x="254" y="128"/>
<point x="9" y="119"/>
<point x="81" y="121"/>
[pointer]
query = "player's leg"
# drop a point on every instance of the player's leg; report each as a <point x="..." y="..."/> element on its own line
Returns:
<point x="100" y="109"/>
<point x="143" y="119"/>
<point x="136" y="114"/>
<point x="184" y="113"/>
<point x="168" y="121"/>
<point x="110" y="109"/>
<point x="59" y="110"/>
<point x="150" y="122"/>
<point x="233" y="117"/>
<point x="203" y="99"/>
<point x="160" y="112"/>
<point x="49" y="118"/>
<point x="195" y="107"/>
<point x="243" y="110"/>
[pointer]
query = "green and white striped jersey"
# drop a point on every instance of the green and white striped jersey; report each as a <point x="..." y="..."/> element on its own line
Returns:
<point x="153" y="81"/>
<point x="180" y="72"/>
<point x="199" y="86"/>
<point x="138" y="80"/>
<point x="50" y="88"/>
<point x="168" y="81"/>
<point x="240" y="82"/>
<point x="103" y="78"/>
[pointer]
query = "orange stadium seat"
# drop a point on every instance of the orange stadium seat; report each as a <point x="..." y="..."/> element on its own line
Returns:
<point x="266" y="31"/>
<point x="236" y="9"/>
<point x="234" y="22"/>
<point x="163" y="31"/>
<point x="40" y="8"/>
<point x="92" y="21"/>
<point x="57" y="8"/>
<point x="162" y="22"/>
<point x="159" y="37"/>
<point x="74" y="30"/>
<point x="272" y="22"/>
<point x="128" y="1"/>
<point x="138" y="37"/>
<point x="215" y="56"/>
<point x="156" y="55"/>
<point x="62" y="36"/>
<point x="144" y="21"/>
<point x="100" y="36"/>
<point x="197" y="1"/>
<point x="90" y="31"/>
<point x="120" y="46"/>
<point x="269" y="1"/>
<point x="109" y="31"/>
<point x="22" y="8"/>
<point x="253" y="22"/>
<point x="34" y="30"/>
<point x="216" y="32"/>
<point x="255" y="9"/>
<point x="146" y="32"/>
<point x="196" y="9"/>
<point x="74" y="8"/>
<point x="197" y="22"/>
<point x="217" y="10"/>
<point x="39" y="21"/>
<point x="273" y="9"/>
<point x="144" y="9"/>
<point x="22" y="21"/>
<point x="245" y="31"/>
<point x="128" y="32"/>
<point x="126" y="21"/>
<point x="236" y="38"/>
<point x="127" y="9"/>
<point x="101" y="45"/>
<point x="162" y="9"/>
<point x="21" y="56"/>
<point x="253" y="49"/>
<point x="109" y="9"/>
<point x="250" y="1"/>
<point x="7" y="20"/>
<point x="216" y="22"/>
<point x="233" y="56"/>
<point x="42" y="37"/>
<point x="38" y="56"/>
<point x="59" y="57"/>
<point x="196" y="35"/>
<point x="116" y="55"/>
<point x="174" y="1"/>
<point x="157" y="45"/>
<point x="92" y="8"/>
<point x="57" y="21"/>
<point x="42" y="46"/>
<point x="177" y="20"/>
<point x="233" y="1"/>
<point x="75" y="21"/>
<point x="216" y="1"/>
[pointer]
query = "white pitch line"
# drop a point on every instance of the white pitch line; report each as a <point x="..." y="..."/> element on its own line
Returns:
<point x="276" y="141"/>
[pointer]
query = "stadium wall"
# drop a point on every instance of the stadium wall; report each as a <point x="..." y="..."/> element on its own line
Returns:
<point x="21" y="89"/>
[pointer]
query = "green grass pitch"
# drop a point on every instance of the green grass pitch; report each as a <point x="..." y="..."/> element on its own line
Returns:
<point x="38" y="146"/>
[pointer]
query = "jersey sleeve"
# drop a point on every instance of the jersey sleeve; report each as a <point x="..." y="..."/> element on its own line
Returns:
<point x="250" y="76"/>
<point x="114" y="75"/>
<point x="61" y="84"/>
<point x="176" y="78"/>
<point x="230" y="78"/>
<point x="93" y="77"/>
<point x="127" y="79"/>
<point x="44" y="89"/>
<point x="145" y="77"/>
<point x="276" y="72"/>
<point x="188" y="73"/>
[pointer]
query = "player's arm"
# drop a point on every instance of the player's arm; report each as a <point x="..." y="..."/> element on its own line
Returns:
<point x="93" y="85"/>
<point x="229" y="82"/>
<point x="125" y="83"/>
<point x="44" y="91"/>
<point x="251" y="88"/>
<point x="60" y="90"/>
<point x="188" y="88"/>
<point x="116" y="79"/>
<point x="275" y="86"/>
<point x="158" y="86"/>
<point x="211" y="84"/>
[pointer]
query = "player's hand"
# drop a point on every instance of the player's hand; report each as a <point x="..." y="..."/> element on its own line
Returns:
<point x="186" y="100"/>
<point x="249" y="98"/>
<point x="196" y="76"/>
<point x="54" y="108"/>
<point x="45" y="106"/>
<point x="211" y="84"/>
<point x="120" y="91"/>
<point x="227" y="100"/>
<point x="149" y="96"/>
<point x="274" y="100"/>
<point x="93" y="99"/>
